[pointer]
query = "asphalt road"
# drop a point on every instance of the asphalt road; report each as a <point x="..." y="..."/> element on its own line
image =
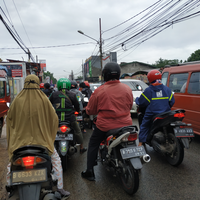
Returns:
<point x="158" y="180"/>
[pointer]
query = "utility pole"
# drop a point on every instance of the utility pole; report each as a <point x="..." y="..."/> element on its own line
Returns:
<point x="100" y="49"/>
<point x="83" y="71"/>
<point x="72" y="75"/>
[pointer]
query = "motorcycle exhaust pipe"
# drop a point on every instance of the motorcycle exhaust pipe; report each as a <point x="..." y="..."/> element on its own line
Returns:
<point x="145" y="158"/>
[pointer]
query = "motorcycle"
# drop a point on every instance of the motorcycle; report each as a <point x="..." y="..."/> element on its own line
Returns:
<point x="169" y="135"/>
<point x="31" y="175"/>
<point x="120" y="153"/>
<point x="65" y="143"/>
<point x="79" y="119"/>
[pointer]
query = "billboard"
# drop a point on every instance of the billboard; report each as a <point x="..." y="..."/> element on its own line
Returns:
<point x="43" y="65"/>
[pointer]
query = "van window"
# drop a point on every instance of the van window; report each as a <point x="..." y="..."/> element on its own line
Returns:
<point x="177" y="81"/>
<point x="194" y="84"/>
<point x="2" y="89"/>
<point x="164" y="78"/>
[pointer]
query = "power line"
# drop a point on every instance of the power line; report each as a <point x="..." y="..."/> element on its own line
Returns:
<point x="55" y="46"/>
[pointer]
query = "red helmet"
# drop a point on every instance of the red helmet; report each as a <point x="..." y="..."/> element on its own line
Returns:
<point x="87" y="84"/>
<point x="41" y="85"/>
<point x="154" y="75"/>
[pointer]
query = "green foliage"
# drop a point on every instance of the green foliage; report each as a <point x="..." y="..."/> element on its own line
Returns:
<point x="194" y="56"/>
<point x="162" y="62"/>
<point x="54" y="80"/>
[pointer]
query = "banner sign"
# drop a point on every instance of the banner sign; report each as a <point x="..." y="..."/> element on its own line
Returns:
<point x="17" y="73"/>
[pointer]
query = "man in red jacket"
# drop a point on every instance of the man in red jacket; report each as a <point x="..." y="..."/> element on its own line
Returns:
<point x="112" y="103"/>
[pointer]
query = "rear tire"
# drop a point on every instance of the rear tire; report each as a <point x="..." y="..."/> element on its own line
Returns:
<point x="130" y="179"/>
<point x="176" y="158"/>
<point x="64" y="162"/>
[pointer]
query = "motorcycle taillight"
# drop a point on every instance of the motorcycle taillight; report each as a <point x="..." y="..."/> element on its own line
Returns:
<point x="179" y="115"/>
<point x="132" y="137"/>
<point x="28" y="161"/>
<point x="63" y="129"/>
<point x="76" y="113"/>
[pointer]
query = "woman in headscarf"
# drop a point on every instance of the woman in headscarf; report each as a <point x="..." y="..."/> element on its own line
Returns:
<point x="32" y="120"/>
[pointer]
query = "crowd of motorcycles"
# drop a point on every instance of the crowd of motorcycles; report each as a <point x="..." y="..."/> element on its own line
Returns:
<point x="119" y="153"/>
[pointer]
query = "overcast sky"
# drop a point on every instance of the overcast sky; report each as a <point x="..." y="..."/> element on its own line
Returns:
<point x="49" y="29"/>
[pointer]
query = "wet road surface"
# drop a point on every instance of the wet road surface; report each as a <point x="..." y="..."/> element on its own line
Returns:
<point x="158" y="179"/>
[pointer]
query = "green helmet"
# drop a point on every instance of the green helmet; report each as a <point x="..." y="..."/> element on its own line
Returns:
<point x="63" y="83"/>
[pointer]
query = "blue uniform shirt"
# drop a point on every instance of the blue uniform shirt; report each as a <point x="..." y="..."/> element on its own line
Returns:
<point x="157" y="99"/>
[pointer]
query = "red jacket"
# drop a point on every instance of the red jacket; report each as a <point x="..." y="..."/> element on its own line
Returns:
<point x="112" y="103"/>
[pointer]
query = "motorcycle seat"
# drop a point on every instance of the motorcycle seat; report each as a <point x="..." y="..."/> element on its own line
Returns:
<point x="30" y="149"/>
<point x="64" y="123"/>
<point x="120" y="131"/>
<point x="165" y="114"/>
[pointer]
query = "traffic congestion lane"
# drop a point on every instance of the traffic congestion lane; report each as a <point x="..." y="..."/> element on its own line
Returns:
<point x="158" y="179"/>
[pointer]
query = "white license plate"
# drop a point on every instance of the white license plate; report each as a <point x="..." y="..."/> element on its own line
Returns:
<point x="79" y="118"/>
<point x="131" y="152"/>
<point x="183" y="132"/>
<point x="30" y="176"/>
<point x="64" y="137"/>
<point x="69" y="137"/>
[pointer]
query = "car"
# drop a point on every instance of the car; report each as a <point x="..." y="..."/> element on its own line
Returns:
<point x="94" y="86"/>
<point x="137" y="87"/>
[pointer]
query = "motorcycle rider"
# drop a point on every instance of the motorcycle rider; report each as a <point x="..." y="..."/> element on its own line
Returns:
<point x="47" y="89"/>
<point x="157" y="98"/>
<point x="79" y="95"/>
<point x="65" y="103"/>
<point x="42" y="86"/>
<point x="31" y="120"/>
<point x="112" y="102"/>
<point x="85" y="89"/>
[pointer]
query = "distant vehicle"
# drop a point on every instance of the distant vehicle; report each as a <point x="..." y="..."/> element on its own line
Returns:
<point x="184" y="81"/>
<point x="94" y="86"/>
<point x="4" y="95"/>
<point x="137" y="87"/>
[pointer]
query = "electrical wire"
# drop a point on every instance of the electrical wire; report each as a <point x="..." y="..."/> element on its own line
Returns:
<point x="161" y="16"/>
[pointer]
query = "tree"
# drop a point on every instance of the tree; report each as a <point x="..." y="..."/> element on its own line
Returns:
<point x="194" y="56"/>
<point x="54" y="80"/>
<point x="162" y="62"/>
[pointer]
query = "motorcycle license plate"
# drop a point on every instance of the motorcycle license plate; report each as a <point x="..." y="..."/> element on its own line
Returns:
<point x="183" y="132"/>
<point x="29" y="176"/>
<point x="132" y="152"/>
<point x="79" y="118"/>
<point x="68" y="137"/>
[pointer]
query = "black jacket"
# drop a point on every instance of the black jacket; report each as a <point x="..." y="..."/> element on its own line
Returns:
<point x="64" y="107"/>
<point x="87" y="92"/>
<point x="47" y="92"/>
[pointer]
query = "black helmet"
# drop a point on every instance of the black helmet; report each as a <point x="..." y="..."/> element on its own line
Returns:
<point x="111" y="71"/>
<point x="73" y="84"/>
<point x="82" y="85"/>
<point x="47" y="85"/>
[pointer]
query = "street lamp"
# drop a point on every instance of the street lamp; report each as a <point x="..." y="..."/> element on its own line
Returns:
<point x="99" y="43"/>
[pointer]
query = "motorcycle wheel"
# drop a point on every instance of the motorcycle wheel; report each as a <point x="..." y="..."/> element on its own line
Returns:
<point x="176" y="158"/>
<point x="64" y="162"/>
<point x="130" y="179"/>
